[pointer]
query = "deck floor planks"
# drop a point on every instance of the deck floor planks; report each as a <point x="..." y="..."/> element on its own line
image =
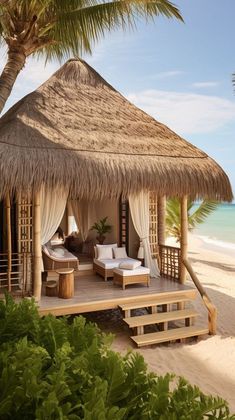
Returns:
<point x="92" y="293"/>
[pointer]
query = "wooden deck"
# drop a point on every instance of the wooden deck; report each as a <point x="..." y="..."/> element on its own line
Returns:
<point x="92" y="293"/>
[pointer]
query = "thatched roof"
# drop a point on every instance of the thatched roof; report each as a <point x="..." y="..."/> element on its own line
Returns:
<point x="76" y="130"/>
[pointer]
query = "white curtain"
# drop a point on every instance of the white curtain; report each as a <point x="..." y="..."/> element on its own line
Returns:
<point x="53" y="203"/>
<point x="84" y="213"/>
<point x="139" y="207"/>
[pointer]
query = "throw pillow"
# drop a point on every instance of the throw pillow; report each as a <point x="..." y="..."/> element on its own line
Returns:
<point x="105" y="253"/>
<point x="103" y="246"/>
<point x="130" y="265"/>
<point x="120" y="252"/>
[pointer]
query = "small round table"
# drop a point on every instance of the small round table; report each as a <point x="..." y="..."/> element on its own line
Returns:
<point x="66" y="283"/>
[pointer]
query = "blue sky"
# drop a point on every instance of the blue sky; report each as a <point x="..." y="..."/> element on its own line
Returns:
<point x="179" y="73"/>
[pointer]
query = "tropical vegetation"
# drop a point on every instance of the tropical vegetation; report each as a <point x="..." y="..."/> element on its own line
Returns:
<point x="59" y="368"/>
<point x="60" y="28"/>
<point x="197" y="214"/>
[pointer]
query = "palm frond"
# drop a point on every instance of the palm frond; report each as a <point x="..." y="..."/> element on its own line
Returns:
<point x="202" y="212"/>
<point x="76" y="25"/>
<point x="173" y="218"/>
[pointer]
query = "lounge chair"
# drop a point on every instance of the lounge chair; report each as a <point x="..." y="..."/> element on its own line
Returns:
<point x="57" y="258"/>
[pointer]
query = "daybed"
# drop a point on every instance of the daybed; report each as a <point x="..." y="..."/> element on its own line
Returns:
<point x="108" y="257"/>
<point x="55" y="258"/>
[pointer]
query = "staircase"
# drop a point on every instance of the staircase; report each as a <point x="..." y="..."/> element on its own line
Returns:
<point x="160" y="312"/>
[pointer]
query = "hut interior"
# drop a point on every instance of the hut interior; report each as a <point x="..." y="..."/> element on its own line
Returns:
<point x="75" y="150"/>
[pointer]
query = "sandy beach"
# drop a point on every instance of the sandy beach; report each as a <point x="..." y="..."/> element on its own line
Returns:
<point x="210" y="361"/>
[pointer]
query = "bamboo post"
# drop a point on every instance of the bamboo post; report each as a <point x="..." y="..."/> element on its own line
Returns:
<point x="161" y="210"/>
<point x="70" y="217"/>
<point x="37" y="260"/>
<point x="183" y="236"/>
<point x="9" y="242"/>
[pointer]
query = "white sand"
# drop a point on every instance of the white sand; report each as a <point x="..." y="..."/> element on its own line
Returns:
<point x="209" y="362"/>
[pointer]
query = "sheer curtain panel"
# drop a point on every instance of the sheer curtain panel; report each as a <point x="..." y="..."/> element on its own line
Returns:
<point x="139" y="207"/>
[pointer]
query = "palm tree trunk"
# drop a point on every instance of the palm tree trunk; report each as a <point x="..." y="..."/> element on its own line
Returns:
<point x="15" y="63"/>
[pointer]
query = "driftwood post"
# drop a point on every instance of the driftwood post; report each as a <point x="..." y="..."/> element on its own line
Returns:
<point x="184" y="236"/>
<point x="9" y="244"/>
<point x="161" y="209"/>
<point x="37" y="253"/>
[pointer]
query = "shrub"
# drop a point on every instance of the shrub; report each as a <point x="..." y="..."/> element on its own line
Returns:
<point x="51" y="368"/>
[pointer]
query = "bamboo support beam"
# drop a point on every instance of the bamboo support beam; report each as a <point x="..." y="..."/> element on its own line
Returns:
<point x="37" y="253"/>
<point x="9" y="241"/>
<point x="212" y="310"/>
<point x="70" y="218"/>
<point x="161" y="209"/>
<point x="183" y="236"/>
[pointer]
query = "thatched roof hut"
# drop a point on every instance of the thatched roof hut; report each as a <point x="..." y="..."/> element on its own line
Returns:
<point x="77" y="131"/>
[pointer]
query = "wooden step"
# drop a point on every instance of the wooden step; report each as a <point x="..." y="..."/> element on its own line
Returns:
<point x="157" y="301"/>
<point x="137" y="321"/>
<point x="169" y="335"/>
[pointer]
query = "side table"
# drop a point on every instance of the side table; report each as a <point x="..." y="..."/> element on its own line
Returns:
<point x="66" y="283"/>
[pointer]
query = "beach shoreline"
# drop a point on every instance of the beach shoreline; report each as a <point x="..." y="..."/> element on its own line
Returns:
<point x="214" y="245"/>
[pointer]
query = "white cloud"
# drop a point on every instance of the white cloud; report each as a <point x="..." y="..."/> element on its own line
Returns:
<point x="186" y="113"/>
<point x="166" y="74"/>
<point x="205" y="84"/>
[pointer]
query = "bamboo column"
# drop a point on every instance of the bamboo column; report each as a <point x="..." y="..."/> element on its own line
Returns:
<point x="9" y="244"/>
<point x="37" y="260"/>
<point x="184" y="236"/>
<point x="161" y="210"/>
<point x="70" y="217"/>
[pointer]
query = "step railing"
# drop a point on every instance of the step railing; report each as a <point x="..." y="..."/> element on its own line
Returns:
<point x="211" y="308"/>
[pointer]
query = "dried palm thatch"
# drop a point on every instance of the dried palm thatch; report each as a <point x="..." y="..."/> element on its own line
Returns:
<point x="78" y="132"/>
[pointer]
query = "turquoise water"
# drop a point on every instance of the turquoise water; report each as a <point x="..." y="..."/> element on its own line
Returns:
<point x="220" y="225"/>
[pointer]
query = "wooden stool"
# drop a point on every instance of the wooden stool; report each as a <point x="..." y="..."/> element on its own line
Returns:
<point x="66" y="283"/>
<point x="51" y="288"/>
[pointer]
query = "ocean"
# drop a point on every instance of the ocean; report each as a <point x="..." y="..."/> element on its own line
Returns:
<point x="219" y="227"/>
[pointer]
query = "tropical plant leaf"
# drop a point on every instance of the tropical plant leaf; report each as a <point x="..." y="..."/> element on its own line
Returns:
<point x="75" y="375"/>
<point x="198" y="216"/>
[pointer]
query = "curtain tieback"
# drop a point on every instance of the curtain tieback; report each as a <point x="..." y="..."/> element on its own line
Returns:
<point x="145" y="237"/>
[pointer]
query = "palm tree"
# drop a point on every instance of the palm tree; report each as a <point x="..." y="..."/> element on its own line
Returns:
<point x="195" y="218"/>
<point x="60" y="28"/>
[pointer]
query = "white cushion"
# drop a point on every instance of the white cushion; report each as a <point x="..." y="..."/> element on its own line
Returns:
<point x="59" y="251"/>
<point x="107" y="264"/>
<point x="105" y="253"/>
<point x="130" y="265"/>
<point x="103" y="246"/>
<point x="120" y="252"/>
<point x="110" y="264"/>
<point x="58" y="256"/>
<point x="136" y="272"/>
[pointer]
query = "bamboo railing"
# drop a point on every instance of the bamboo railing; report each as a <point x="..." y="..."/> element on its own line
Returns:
<point x="19" y="276"/>
<point x="169" y="262"/>
<point x="212" y="310"/>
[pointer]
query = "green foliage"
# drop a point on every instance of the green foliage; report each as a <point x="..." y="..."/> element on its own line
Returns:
<point x="59" y="28"/>
<point x="60" y="369"/>
<point x="102" y="227"/>
<point x="198" y="216"/>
